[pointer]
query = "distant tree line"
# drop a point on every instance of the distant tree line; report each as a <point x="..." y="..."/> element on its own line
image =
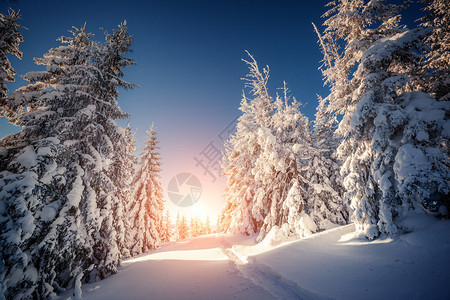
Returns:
<point x="192" y="228"/>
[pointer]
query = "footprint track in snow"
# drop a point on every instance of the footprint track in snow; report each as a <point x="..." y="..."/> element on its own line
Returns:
<point x="261" y="275"/>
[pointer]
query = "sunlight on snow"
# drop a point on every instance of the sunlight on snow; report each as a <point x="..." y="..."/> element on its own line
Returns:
<point x="351" y="239"/>
<point x="203" y="254"/>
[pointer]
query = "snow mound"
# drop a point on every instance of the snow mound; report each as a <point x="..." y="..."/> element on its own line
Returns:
<point x="275" y="238"/>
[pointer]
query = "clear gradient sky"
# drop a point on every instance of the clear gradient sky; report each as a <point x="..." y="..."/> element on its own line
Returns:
<point x="188" y="56"/>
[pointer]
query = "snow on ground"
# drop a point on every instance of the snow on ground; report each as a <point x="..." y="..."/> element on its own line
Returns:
<point x="338" y="265"/>
<point x="189" y="269"/>
<point x="330" y="265"/>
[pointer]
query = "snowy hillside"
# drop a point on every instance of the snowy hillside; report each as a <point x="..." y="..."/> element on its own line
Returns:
<point x="330" y="265"/>
<point x="336" y="202"/>
<point x="335" y="264"/>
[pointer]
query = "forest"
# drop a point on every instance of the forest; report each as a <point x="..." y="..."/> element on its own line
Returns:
<point x="76" y="200"/>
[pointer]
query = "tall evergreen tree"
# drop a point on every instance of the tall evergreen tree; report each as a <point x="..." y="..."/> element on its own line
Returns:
<point x="67" y="148"/>
<point x="242" y="151"/>
<point x="380" y="59"/>
<point x="207" y="226"/>
<point x="437" y="58"/>
<point x="122" y="170"/>
<point x="267" y="166"/>
<point x="166" y="233"/>
<point x="148" y="208"/>
<point x="182" y="229"/>
<point x="10" y="39"/>
<point x="286" y="145"/>
<point x="195" y="226"/>
<point x="359" y="25"/>
<point x="325" y="190"/>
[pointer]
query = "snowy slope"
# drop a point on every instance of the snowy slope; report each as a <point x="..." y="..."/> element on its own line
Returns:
<point x="330" y="265"/>
<point x="190" y="269"/>
<point x="338" y="265"/>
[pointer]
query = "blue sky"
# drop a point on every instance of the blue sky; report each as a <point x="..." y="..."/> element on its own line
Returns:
<point x="189" y="67"/>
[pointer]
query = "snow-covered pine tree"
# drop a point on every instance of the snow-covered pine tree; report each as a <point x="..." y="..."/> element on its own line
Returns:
<point x="421" y="164"/>
<point x="198" y="226"/>
<point x="30" y="188"/>
<point x="437" y="58"/>
<point x="192" y="227"/>
<point x="66" y="147"/>
<point x="10" y="39"/>
<point x="358" y="25"/>
<point x="383" y="74"/>
<point x="182" y="229"/>
<point x="411" y="147"/>
<point x="110" y="60"/>
<point x="177" y="226"/>
<point x="218" y="228"/>
<point x="266" y="158"/>
<point x="325" y="190"/>
<point x="242" y="151"/>
<point x="148" y="208"/>
<point x="207" y="227"/>
<point x="353" y="25"/>
<point x="122" y="167"/>
<point x="325" y="181"/>
<point x="49" y="194"/>
<point x="104" y="145"/>
<point x="202" y="228"/>
<point x="195" y="226"/>
<point x="166" y="233"/>
<point x="285" y="150"/>
<point x="384" y="56"/>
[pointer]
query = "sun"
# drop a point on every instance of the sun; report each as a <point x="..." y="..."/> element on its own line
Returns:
<point x="200" y="212"/>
